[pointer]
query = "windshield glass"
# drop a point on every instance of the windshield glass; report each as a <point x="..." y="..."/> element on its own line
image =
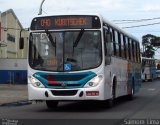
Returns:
<point x="65" y="50"/>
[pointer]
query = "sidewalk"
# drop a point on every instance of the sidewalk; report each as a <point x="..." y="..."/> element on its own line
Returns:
<point x="12" y="93"/>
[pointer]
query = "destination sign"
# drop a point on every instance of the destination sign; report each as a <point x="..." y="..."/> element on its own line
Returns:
<point x="65" y="22"/>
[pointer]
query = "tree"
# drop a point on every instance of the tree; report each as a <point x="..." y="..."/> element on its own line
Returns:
<point x="148" y="45"/>
<point x="156" y="42"/>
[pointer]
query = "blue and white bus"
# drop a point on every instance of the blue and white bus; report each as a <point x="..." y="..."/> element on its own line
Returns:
<point x="158" y="68"/>
<point x="148" y="69"/>
<point x="81" y="57"/>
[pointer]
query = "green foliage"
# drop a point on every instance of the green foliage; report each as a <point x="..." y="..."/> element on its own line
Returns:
<point x="148" y="42"/>
<point x="148" y="39"/>
<point x="156" y="42"/>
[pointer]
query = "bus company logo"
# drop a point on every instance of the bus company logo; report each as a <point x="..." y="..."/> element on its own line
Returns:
<point x="63" y="84"/>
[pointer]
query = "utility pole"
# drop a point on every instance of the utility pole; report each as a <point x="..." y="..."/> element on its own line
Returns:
<point x="40" y="9"/>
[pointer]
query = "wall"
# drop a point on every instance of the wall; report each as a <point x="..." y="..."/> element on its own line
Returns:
<point x="13" y="71"/>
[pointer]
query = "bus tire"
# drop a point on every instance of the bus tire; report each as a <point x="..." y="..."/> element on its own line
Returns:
<point x="111" y="101"/>
<point x="51" y="104"/>
<point x="131" y="95"/>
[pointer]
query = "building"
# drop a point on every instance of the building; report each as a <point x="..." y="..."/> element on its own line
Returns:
<point x="13" y="61"/>
<point x="0" y="26"/>
<point x="11" y="30"/>
<point x="2" y="43"/>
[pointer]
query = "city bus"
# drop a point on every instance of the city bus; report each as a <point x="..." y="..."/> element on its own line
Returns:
<point x="80" y="58"/>
<point x="148" y="69"/>
<point x="158" y="68"/>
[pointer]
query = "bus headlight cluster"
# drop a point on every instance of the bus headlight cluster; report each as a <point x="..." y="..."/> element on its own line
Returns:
<point x="94" y="82"/>
<point x="35" y="82"/>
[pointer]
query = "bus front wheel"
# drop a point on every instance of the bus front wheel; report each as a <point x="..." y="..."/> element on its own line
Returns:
<point x="111" y="101"/>
<point x="51" y="104"/>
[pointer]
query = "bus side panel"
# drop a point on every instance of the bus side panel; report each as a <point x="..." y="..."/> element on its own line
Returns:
<point x="136" y="76"/>
<point x="124" y="72"/>
<point x="119" y="70"/>
<point x="108" y="82"/>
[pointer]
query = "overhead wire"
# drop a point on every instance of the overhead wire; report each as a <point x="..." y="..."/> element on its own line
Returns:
<point x="143" y="25"/>
<point x="129" y="21"/>
<point x="138" y="20"/>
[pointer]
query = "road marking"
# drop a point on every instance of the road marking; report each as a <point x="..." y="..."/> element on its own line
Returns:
<point x="152" y="89"/>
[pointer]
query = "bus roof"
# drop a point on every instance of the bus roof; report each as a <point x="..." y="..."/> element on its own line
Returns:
<point x="119" y="29"/>
<point x="94" y="14"/>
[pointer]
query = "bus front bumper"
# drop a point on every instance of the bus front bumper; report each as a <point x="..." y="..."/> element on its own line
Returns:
<point x="41" y="94"/>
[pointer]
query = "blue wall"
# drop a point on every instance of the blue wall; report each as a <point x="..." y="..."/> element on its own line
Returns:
<point x="13" y="76"/>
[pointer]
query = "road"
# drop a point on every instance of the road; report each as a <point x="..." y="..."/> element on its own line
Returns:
<point x="145" y="105"/>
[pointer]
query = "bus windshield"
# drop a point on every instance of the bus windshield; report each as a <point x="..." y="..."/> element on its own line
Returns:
<point x="65" y="50"/>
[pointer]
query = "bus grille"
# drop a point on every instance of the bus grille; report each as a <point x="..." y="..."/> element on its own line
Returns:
<point x="66" y="85"/>
<point x="64" y="92"/>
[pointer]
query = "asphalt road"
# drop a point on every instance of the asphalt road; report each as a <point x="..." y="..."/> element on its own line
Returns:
<point x="145" y="106"/>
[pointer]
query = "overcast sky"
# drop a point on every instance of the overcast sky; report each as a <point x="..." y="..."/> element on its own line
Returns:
<point x="110" y="9"/>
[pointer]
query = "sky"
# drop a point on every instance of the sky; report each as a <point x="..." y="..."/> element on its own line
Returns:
<point x="110" y="9"/>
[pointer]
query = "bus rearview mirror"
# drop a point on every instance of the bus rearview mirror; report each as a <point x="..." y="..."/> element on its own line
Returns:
<point x="21" y="43"/>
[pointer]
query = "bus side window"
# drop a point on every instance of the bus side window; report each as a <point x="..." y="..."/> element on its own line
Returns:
<point x="105" y="40"/>
<point x="111" y="36"/>
<point x="122" y="46"/>
<point x="105" y="31"/>
<point x="125" y="47"/>
<point x="129" y="49"/>
<point x="133" y="51"/>
<point x="111" y="33"/>
<point x="116" y="43"/>
<point x="127" y="52"/>
<point x="119" y="44"/>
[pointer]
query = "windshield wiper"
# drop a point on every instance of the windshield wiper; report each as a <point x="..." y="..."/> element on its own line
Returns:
<point x="78" y="38"/>
<point x="53" y="42"/>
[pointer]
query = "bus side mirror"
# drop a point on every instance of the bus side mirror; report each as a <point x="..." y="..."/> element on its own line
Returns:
<point x="21" y="43"/>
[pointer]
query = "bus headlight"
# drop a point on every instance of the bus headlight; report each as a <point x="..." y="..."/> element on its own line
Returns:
<point x="35" y="82"/>
<point x="94" y="82"/>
